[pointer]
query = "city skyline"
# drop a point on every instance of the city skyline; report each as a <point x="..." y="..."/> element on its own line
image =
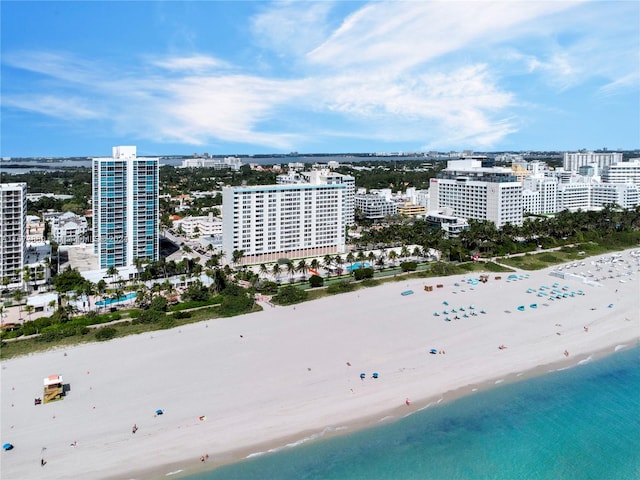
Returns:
<point x="263" y="77"/>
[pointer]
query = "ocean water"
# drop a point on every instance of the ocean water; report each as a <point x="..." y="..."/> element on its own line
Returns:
<point x="579" y="423"/>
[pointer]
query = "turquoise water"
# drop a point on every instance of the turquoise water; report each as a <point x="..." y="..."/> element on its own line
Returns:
<point x="110" y="301"/>
<point x="581" y="423"/>
<point x="358" y="265"/>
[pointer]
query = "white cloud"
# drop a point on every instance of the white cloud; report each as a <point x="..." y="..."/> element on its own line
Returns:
<point x="405" y="34"/>
<point x="69" y="108"/>
<point x="291" y="28"/>
<point x="424" y="73"/>
<point x="196" y="63"/>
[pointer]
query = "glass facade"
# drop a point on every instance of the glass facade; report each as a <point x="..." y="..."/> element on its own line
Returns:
<point x="126" y="210"/>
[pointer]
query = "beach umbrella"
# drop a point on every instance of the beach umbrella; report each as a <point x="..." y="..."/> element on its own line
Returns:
<point x="363" y="375"/>
<point x="7" y="446"/>
<point x="375" y="375"/>
<point x="159" y="412"/>
<point x="433" y="351"/>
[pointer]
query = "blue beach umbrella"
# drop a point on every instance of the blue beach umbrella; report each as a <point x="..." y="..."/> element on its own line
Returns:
<point x="7" y="446"/>
<point x="159" y="412"/>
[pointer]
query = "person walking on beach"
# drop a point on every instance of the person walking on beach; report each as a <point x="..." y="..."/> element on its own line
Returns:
<point x="134" y="429"/>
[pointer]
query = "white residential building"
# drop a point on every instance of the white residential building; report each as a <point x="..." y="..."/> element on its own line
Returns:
<point x="623" y="172"/>
<point x="204" y="226"/>
<point x="571" y="161"/>
<point x="324" y="176"/>
<point x="475" y="192"/>
<point x="623" y="195"/>
<point x="227" y="163"/>
<point x="375" y="206"/>
<point x="540" y="194"/>
<point x="69" y="229"/>
<point x="13" y="242"/>
<point x="574" y="196"/>
<point x="444" y="219"/>
<point x="125" y="208"/>
<point x="269" y="222"/>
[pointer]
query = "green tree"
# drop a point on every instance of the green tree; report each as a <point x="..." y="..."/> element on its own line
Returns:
<point x="303" y="268"/>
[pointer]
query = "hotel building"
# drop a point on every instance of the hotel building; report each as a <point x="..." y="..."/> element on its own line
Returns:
<point x="481" y="193"/>
<point x="13" y="242"/>
<point x="623" y="172"/>
<point x="269" y="222"/>
<point x="125" y="208"/>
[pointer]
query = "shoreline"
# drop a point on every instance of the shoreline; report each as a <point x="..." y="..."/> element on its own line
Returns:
<point x="238" y="386"/>
<point x="180" y="470"/>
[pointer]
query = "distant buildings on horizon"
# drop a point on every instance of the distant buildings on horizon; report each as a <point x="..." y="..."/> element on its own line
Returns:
<point x="306" y="213"/>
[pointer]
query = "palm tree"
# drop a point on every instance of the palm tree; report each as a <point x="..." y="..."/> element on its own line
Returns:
<point x="275" y="271"/>
<point x="326" y="262"/>
<point x="291" y="269"/>
<point x="138" y="263"/>
<point x="350" y="259"/>
<point x="264" y="270"/>
<point x="303" y="268"/>
<point x="112" y="271"/>
<point x="393" y="256"/>
<point x="404" y="252"/>
<point x="29" y="309"/>
<point x="142" y="296"/>
<point x="339" y="261"/>
<point x="237" y="255"/>
<point x="315" y="265"/>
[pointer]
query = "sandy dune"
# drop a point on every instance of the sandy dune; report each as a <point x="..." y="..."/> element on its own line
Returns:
<point x="275" y="377"/>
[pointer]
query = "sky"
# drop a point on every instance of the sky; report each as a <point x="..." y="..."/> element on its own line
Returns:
<point x="251" y="77"/>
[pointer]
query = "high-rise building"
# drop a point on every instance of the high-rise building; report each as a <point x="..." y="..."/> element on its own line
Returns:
<point x="573" y="160"/>
<point x="270" y="222"/>
<point x="321" y="175"/>
<point x="125" y="208"/>
<point x="13" y="217"/>
<point x="474" y="192"/>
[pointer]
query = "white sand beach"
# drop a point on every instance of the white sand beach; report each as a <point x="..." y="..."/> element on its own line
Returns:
<point x="276" y="377"/>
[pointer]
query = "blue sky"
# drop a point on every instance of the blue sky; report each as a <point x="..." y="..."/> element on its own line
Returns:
<point x="274" y="77"/>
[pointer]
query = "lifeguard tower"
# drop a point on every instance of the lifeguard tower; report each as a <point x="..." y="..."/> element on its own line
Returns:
<point x="53" y="388"/>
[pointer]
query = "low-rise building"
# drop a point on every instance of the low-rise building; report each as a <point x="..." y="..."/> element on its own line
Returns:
<point x="69" y="229"/>
<point x="203" y="226"/>
<point x="444" y="219"/>
<point x="375" y="207"/>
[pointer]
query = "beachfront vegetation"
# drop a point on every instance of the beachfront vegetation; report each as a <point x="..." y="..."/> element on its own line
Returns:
<point x="316" y="281"/>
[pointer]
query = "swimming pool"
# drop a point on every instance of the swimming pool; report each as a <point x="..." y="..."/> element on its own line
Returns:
<point x="110" y="301"/>
<point x="358" y="265"/>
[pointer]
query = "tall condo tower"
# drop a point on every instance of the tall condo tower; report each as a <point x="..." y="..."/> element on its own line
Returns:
<point x="125" y="208"/>
<point x="13" y="218"/>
